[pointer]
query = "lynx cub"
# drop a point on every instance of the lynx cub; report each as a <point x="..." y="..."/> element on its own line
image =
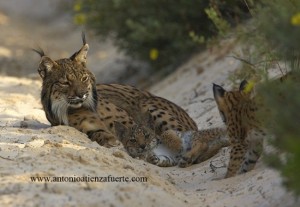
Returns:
<point x="171" y="147"/>
<point x="237" y="109"/>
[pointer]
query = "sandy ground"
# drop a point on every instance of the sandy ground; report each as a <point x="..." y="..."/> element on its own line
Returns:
<point x="29" y="147"/>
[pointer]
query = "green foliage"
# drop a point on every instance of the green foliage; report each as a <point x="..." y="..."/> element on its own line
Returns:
<point x="160" y="32"/>
<point x="221" y="24"/>
<point x="278" y="28"/>
<point x="282" y="119"/>
<point x="279" y="23"/>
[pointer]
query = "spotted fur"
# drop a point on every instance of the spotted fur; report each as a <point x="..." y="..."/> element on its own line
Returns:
<point x="238" y="111"/>
<point x="166" y="115"/>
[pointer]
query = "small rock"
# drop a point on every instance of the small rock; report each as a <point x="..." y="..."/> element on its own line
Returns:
<point x="128" y="167"/>
<point x="36" y="143"/>
<point x="118" y="154"/>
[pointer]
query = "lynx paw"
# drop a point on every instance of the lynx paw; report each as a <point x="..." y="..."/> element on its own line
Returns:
<point x="106" y="141"/>
<point x="153" y="159"/>
<point x="184" y="162"/>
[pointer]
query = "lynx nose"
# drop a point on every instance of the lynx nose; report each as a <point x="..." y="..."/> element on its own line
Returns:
<point x="143" y="146"/>
<point x="77" y="98"/>
<point x="84" y="96"/>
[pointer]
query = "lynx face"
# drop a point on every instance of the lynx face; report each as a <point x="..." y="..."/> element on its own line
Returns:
<point x="137" y="140"/>
<point x="67" y="85"/>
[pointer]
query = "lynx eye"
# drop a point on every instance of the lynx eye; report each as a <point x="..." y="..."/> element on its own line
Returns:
<point x="84" y="78"/>
<point x="132" y="140"/>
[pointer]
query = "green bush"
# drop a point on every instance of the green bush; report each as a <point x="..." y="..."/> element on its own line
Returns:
<point x="278" y="27"/>
<point x="159" y="32"/>
<point x="279" y="22"/>
<point x="282" y="119"/>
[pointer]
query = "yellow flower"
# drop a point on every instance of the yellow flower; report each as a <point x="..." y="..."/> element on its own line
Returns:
<point x="80" y="18"/>
<point x="153" y="54"/>
<point x="249" y="87"/>
<point x="77" y="7"/>
<point x="295" y="19"/>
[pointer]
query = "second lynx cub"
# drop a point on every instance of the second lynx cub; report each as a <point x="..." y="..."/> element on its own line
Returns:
<point x="171" y="147"/>
<point x="238" y="110"/>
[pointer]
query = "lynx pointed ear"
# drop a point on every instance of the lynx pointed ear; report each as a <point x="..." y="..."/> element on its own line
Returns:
<point x="81" y="55"/>
<point x="219" y="91"/>
<point x="120" y="130"/>
<point x="243" y="85"/>
<point x="46" y="66"/>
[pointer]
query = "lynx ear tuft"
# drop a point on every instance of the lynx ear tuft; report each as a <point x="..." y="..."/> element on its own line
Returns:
<point x="46" y="66"/>
<point x="39" y="51"/>
<point x="83" y="38"/>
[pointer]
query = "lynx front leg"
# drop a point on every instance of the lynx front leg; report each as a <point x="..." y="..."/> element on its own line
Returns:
<point x="253" y="153"/>
<point x="201" y="145"/>
<point x="213" y="148"/>
<point x="191" y="156"/>
<point x="172" y="140"/>
<point x="103" y="138"/>
<point x="237" y="154"/>
<point x="91" y="124"/>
